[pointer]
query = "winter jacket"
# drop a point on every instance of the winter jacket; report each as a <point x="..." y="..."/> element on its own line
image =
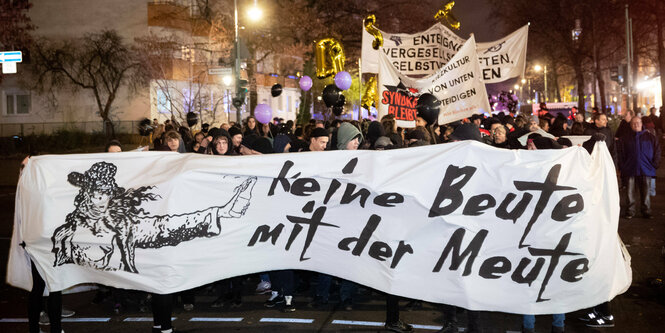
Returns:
<point x="639" y="154"/>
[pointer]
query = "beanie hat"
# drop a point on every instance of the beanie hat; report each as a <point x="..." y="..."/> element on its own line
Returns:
<point x="318" y="132"/>
<point x="233" y="131"/>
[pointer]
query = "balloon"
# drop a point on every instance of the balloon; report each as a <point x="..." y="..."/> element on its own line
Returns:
<point x="370" y="26"/>
<point x="192" y="119"/>
<point x="145" y="127"/>
<point x="340" y="101"/>
<point x="276" y="90"/>
<point x="331" y="94"/>
<point x="329" y="57"/>
<point x="263" y="113"/>
<point x="343" y="80"/>
<point x="445" y="16"/>
<point x="428" y="108"/>
<point x="306" y="83"/>
<point x="337" y="110"/>
<point x="371" y="96"/>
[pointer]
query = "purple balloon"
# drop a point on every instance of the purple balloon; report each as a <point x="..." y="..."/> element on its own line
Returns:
<point x="305" y="83"/>
<point x="263" y="113"/>
<point x="343" y="80"/>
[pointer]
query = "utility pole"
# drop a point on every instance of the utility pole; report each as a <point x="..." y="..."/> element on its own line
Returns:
<point x="629" y="58"/>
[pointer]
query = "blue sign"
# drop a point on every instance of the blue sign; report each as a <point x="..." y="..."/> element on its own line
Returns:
<point x="11" y="56"/>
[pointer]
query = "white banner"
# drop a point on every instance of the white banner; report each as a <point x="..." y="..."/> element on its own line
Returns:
<point x="458" y="85"/>
<point x="426" y="52"/>
<point x="461" y="223"/>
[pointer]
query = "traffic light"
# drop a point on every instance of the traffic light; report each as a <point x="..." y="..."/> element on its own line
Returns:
<point x="241" y="92"/>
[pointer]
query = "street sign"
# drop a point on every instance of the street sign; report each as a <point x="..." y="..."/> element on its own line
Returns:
<point x="220" y="71"/>
<point x="11" y="56"/>
<point x="8" y="67"/>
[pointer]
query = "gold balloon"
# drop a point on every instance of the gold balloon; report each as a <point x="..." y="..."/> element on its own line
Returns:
<point x="371" y="95"/>
<point x="445" y="16"/>
<point x="370" y="26"/>
<point x="330" y="58"/>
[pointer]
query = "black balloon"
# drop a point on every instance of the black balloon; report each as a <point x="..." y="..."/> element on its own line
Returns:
<point x="340" y="101"/>
<point x="192" y="119"/>
<point x="428" y="108"/>
<point x="145" y="127"/>
<point x="337" y="110"/>
<point x="276" y="90"/>
<point x="331" y="95"/>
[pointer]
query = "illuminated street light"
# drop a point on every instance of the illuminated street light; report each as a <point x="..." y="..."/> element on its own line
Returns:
<point x="517" y="87"/>
<point x="523" y="81"/>
<point x="537" y="68"/>
<point x="227" y="80"/>
<point x="255" y="13"/>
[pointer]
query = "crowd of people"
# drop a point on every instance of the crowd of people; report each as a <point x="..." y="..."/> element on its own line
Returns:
<point x="634" y="146"/>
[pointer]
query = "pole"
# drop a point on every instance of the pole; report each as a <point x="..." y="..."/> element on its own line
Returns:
<point x="629" y="56"/>
<point x="545" y="75"/>
<point x="237" y="64"/>
<point x="360" y="90"/>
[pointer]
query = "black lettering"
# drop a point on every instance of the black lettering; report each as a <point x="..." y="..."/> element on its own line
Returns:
<point x="380" y="251"/>
<point x="454" y="245"/>
<point x="297" y="228"/>
<point x="546" y="189"/>
<point x="555" y="254"/>
<point x="450" y="191"/>
<point x="349" y="196"/>
<point x="334" y="186"/>
<point x="493" y="266"/>
<point x="281" y="178"/>
<point x="348" y="169"/>
<point x="362" y="240"/>
<point x="402" y="249"/>
<point x="518" y="274"/>
<point x="263" y="232"/>
<point x="503" y="213"/>
<point x="388" y="199"/>
<point x="475" y="207"/>
<point x="301" y="186"/>
<point x="313" y="224"/>
<point x="569" y="205"/>
<point x="574" y="269"/>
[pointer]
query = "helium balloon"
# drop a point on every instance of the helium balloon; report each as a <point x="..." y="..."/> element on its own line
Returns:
<point x="306" y="83"/>
<point x="330" y="95"/>
<point x="371" y="95"/>
<point x="192" y="119"/>
<point x="340" y="101"/>
<point x="343" y="80"/>
<point x="330" y="58"/>
<point x="445" y="16"/>
<point x="263" y="113"/>
<point x="337" y="110"/>
<point x="428" y="108"/>
<point x="145" y="127"/>
<point x="370" y="26"/>
<point x="276" y="90"/>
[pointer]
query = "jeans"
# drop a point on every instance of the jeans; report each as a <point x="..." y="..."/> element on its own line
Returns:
<point x="557" y="320"/>
<point x="638" y="188"/>
<point x="346" y="289"/>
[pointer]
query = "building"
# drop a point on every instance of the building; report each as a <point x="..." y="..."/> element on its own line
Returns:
<point x="191" y="77"/>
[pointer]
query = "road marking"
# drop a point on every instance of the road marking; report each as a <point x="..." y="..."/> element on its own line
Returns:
<point x="286" y="320"/>
<point x="144" y="319"/>
<point x="359" y="323"/>
<point x="214" y="319"/>
<point x="14" y="320"/>
<point x="85" y="320"/>
<point x="428" y="327"/>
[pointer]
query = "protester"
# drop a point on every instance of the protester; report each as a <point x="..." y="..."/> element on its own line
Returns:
<point x="639" y="157"/>
<point x="113" y="146"/>
<point x="250" y="127"/>
<point x="318" y="140"/>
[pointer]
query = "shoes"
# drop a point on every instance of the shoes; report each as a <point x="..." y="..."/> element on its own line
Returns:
<point x="413" y="305"/>
<point x="263" y="287"/>
<point x="43" y="318"/>
<point x="605" y="321"/>
<point x="399" y="327"/>
<point x="317" y="303"/>
<point x="274" y="300"/>
<point x="288" y="304"/>
<point x="188" y="306"/>
<point x="66" y="313"/>
<point x="347" y="304"/>
<point x="218" y="303"/>
<point x="449" y="327"/>
<point x="236" y="304"/>
<point x="589" y="316"/>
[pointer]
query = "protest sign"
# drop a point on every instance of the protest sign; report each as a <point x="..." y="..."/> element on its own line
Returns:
<point x="460" y="223"/>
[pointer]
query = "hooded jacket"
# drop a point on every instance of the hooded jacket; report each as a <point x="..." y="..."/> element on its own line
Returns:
<point x="346" y="133"/>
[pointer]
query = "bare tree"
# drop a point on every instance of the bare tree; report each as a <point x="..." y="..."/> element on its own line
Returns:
<point x="99" y="63"/>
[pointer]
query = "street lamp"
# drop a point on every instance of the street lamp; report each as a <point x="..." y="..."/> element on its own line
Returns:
<point x="537" y="68"/>
<point x="254" y="14"/>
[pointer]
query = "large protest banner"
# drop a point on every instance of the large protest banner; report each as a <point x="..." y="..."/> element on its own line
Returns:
<point x="460" y="223"/>
<point x="425" y="52"/>
<point x="458" y="85"/>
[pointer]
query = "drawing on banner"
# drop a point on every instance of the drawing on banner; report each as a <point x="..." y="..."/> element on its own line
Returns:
<point x="108" y="223"/>
<point x="401" y="101"/>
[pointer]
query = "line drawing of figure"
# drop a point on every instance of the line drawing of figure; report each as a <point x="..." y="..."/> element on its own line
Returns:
<point x="108" y="224"/>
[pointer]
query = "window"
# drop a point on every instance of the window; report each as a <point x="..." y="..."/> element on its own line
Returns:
<point x="18" y="103"/>
<point x="163" y="102"/>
